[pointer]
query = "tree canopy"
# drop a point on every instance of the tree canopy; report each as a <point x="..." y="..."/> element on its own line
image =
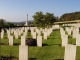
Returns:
<point x="3" y="23"/>
<point x="41" y="19"/>
<point x="70" y="16"/>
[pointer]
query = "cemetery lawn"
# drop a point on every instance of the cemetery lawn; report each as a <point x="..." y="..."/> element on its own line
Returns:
<point x="51" y="49"/>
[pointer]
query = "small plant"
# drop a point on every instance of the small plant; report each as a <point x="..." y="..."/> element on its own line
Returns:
<point x="29" y="30"/>
<point x="31" y="42"/>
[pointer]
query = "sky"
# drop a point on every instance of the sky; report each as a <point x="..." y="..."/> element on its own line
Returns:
<point x="17" y="10"/>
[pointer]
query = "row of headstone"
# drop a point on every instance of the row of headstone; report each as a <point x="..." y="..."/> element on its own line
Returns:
<point x="75" y="34"/>
<point x="68" y="30"/>
<point x="72" y="24"/>
<point x="64" y="37"/>
<point x="46" y="32"/>
<point x="17" y="32"/>
<point x="70" y="50"/>
<point x="23" y="48"/>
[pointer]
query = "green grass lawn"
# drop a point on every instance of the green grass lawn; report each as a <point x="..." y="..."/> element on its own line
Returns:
<point x="51" y="49"/>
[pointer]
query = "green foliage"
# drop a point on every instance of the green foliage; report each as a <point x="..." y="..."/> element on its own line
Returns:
<point x="7" y="24"/>
<point x="49" y="19"/>
<point x="38" y="18"/>
<point x="41" y="19"/>
<point x="70" y="16"/>
<point x="2" y="22"/>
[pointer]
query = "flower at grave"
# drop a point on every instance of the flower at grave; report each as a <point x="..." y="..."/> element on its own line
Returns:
<point x="31" y="42"/>
<point x="29" y="30"/>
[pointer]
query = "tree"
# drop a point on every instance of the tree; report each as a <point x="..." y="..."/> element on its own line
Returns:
<point x="41" y="19"/>
<point x="38" y="18"/>
<point x="49" y="19"/>
<point x="9" y="24"/>
<point x="2" y="22"/>
<point x="70" y="16"/>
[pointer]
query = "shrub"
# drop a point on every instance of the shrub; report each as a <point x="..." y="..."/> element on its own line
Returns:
<point x="31" y="42"/>
<point x="29" y="30"/>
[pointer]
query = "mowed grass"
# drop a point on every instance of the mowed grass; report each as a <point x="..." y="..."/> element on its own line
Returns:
<point x="51" y="49"/>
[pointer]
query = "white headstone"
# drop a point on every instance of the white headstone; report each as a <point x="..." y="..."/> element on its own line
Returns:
<point x="39" y="32"/>
<point x="34" y="35"/>
<point x="16" y="35"/>
<point x="64" y="40"/>
<point x="39" y="41"/>
<point x="23" y="52"/>
<point x="70" y="52"/>
<point x="11" y="40"/>
<point x="23" y="39"/>
<point x="45" y="35"/>
<point x="2" y="35"/>
<point x="77" y="39"/>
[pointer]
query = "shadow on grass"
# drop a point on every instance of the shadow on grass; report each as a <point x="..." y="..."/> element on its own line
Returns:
<point x="55" y="44"/>
<point x="50" y="44"/>
<point x="16" y="44"/>
<point x="19" y="38"/>
<point x="74" y="44"/>
<point x="52" y="38"/>
<point x="5" y="37"/>
<point x="69" y="36"/>
<point x="57" y="59"/>
<point x="9" y="58"/>
<point x="32" y="59"/>
<point x="4" y="43"/>
<point x="45" y="44"/>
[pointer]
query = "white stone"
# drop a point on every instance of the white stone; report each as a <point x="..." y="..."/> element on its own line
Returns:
<point x="48" y="32"/>
<point x="57" y="26"/>
<point x="64" y="40"/>
<point x="23" y="52"/>
<point x="12" y="31"/>
<point x="77" y="39"/>
<point x="45" y="35"/>
<point x="25" y="34"/>
<point x="16" y="35"/>
<point x="11" y="40"/>
<point x="23" y="39"/>
<point x="39" y="41"/>
<point x="2" y="35"/>
<point x="68" y="30"/>
<point x="34" y="35"/>
<point x="74" y="34"/>
<point x="70" y="52"/>
<point x="8" y="35"/>
<point x="39" y="32"/>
